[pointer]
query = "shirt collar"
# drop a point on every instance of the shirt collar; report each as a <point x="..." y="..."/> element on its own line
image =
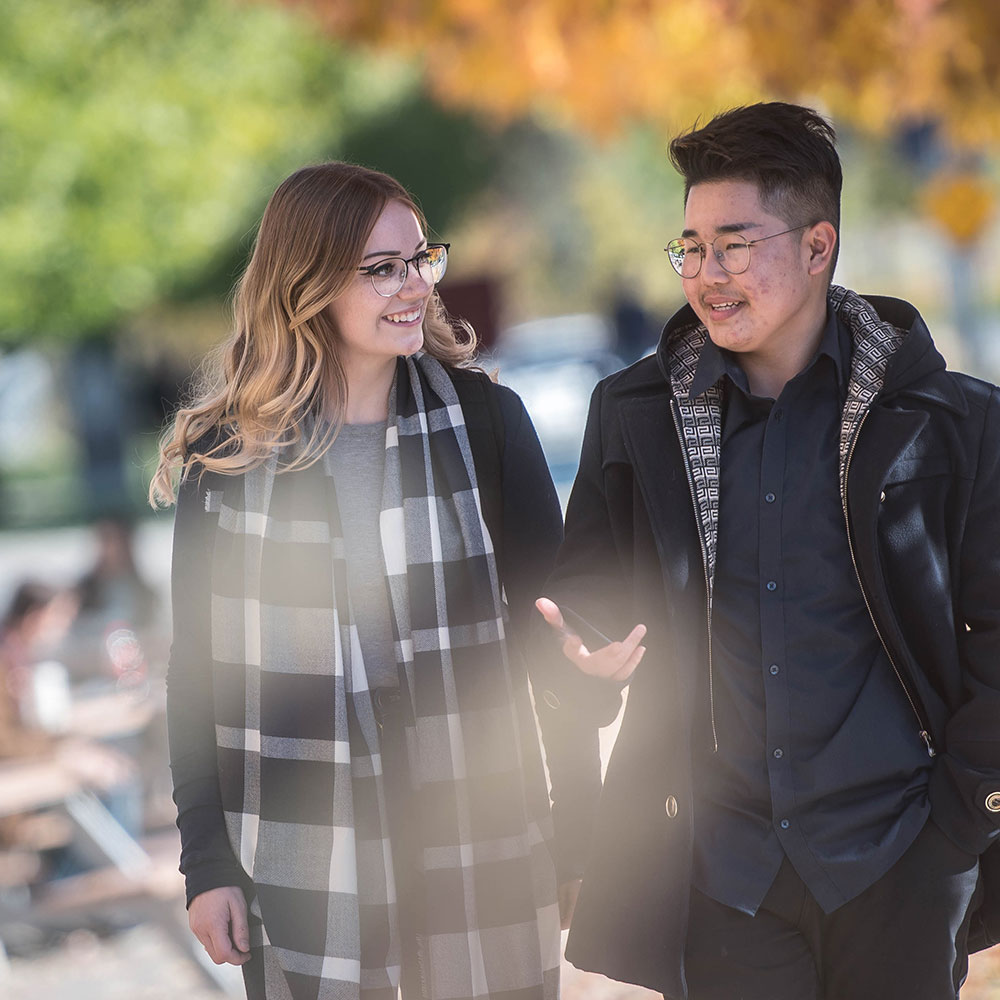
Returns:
<point x="715" y="362"/>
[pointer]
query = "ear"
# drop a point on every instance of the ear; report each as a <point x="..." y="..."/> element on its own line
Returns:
<point x="820" y="241"/>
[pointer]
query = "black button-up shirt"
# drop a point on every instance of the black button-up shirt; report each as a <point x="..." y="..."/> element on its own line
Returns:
<point x="819" y="756"/>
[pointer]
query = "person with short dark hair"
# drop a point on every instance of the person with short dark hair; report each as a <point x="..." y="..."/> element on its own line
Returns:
<point x="799" y="502"/>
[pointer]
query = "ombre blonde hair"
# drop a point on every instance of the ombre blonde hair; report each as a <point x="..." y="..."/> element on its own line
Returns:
<point x="281" y="363"/>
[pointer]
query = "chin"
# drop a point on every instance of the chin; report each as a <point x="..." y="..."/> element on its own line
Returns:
<point x="411" y="347"/>
<point x="727" y="342"/>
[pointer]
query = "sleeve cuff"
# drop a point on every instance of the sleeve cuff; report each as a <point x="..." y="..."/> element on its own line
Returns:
<point x="215" y="876"/>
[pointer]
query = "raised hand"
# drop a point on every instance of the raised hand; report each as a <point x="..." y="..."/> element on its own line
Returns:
<point x="614" y="661"/>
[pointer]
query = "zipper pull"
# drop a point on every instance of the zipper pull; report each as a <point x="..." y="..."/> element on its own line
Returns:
<point x="926" y="737"/>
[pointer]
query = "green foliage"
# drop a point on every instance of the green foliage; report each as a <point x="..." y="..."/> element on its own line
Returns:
<point x="139" y="142"/>
<point x="444" y="157"/>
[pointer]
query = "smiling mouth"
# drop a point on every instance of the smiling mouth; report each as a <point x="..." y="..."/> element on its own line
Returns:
<point x="405" y="317"/>
<point x="722" y="308"/>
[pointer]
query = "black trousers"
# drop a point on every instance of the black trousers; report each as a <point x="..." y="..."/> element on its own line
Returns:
<point x="903" y="938"/>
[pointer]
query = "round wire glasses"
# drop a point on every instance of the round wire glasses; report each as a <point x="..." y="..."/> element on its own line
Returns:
<point x="389" y="274"/>
<point x="731" y="250"/>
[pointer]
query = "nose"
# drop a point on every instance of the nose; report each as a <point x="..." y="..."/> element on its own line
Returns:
<point x="417" y="284"/>
<point x="712" y="272"/>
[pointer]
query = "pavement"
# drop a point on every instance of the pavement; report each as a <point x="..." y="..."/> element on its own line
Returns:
<point x="142" y="964"/>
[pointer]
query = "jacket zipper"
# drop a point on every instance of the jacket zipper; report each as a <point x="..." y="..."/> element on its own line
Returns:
<point x="704" y="564"/>
<point x="924" y="730"/>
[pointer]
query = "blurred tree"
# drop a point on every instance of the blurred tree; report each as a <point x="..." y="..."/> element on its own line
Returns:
<point x="600" y="64"/>
<point x="138" y="145"/>
<point x="919" y="76"/>
<point x="446" y="157"/>
<point x="140" y="140"/>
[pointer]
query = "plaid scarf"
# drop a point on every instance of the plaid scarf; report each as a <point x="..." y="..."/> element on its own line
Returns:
<point x="298" y="744"/>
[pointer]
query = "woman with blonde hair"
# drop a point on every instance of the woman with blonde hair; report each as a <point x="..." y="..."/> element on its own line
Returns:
<point x="363" y="521"/>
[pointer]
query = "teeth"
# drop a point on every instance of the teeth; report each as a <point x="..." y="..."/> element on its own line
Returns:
<point x="404" y="317"/>
<point x="724" y="305"/>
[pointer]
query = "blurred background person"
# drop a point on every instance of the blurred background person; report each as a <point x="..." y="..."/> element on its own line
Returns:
<point x="36" y="723"/>
<point x="34" y="688"/>
<point x="112" y="588"/>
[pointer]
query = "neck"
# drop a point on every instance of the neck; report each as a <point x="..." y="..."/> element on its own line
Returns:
<point x="768" y="373"/>
<point x="368" y="392"/>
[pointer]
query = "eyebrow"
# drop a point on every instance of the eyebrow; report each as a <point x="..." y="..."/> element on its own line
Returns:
<point x="393" y="253"/>
<point x="729" y="227"/>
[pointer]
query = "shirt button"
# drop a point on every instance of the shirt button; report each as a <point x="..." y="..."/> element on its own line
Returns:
<point x="778" y="753"/>
<point x="785" y="824"/>
<point x="777" y="416"/>
<point x="671" y="806"/>
<point x="769" y="497"/>
<point x="771" y="585"/>
<point x="774" y="668"/>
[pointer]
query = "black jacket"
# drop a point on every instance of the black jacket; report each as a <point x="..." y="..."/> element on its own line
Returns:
<point x="920" y="469"/>
<point x="522" y="511"/>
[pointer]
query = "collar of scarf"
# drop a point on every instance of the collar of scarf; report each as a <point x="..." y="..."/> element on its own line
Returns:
<point x="699" y="419"/>
<point x="299" y="759"/>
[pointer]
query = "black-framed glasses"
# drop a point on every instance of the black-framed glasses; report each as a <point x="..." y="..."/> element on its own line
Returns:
<point x="731" y="250"/>
<point x="389" y="275"/>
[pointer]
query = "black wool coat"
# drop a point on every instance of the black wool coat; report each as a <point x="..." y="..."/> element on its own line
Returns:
<point x="923" y="505"/>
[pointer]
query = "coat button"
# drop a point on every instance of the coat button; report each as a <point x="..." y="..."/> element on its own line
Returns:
<point x="881" y="497"/>
<point x="993" y="802"/>
<point x="671" y="806"/>
<point x="550" y="698"/>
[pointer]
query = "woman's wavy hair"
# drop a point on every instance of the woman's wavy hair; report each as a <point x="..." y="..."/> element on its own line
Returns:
<point x="281" y="363"/>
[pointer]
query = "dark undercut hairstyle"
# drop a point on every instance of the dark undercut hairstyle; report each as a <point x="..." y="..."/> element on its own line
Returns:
<point x="787" y="150"/>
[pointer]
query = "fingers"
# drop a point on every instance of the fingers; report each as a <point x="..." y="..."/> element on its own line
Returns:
<point x="633" y="661"/>
<point x="239" y="929"/>
<point x="220" y="947"/>
<point x="218" y="919"/>
<point x="616" y="661"/>
<point x="550" y="612"/>
<point x="573" y="648"/>
<point x="572" y="644"/>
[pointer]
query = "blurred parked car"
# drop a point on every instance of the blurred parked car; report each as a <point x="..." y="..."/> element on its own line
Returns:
<point x="553" y="364"/>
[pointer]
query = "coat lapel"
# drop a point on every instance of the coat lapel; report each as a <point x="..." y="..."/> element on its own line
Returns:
<point x="654" y="452"/>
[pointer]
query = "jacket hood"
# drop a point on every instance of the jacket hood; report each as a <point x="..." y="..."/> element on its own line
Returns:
<point x="915" y="368"/>
<point x="915" y="360"/>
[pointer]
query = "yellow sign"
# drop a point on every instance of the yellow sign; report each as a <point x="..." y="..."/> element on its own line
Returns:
<point x="961" y="202"/>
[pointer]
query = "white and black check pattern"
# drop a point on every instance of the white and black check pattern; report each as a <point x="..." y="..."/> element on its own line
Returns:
<point x="875" y="341"/>
<point x="299" y="760"/>
<point x="701" y="428"/>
